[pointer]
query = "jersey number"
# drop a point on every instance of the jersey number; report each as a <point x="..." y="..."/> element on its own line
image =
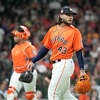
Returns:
<point x="62" y="49"/>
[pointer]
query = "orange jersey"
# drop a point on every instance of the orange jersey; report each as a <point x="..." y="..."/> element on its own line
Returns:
<point x="63" y="41"/>
<point x="21" y="54"/>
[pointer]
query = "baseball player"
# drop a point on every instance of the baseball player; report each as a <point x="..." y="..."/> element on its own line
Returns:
<point x="21" y="53"/>
<point x="64" y="39"/>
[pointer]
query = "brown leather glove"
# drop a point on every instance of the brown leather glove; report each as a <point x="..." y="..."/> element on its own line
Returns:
<point x="83" y="84"/>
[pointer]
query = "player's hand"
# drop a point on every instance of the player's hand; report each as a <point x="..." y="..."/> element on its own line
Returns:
<point x="30" y="65"/>
<point x="47" y="79"/>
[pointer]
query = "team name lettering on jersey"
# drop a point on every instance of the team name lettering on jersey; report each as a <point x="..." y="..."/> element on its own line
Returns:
<point x="59" y="38"/>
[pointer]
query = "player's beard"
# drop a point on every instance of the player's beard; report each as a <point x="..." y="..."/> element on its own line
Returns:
<point x="63" y="21"/>
<point x="67" y="23"/>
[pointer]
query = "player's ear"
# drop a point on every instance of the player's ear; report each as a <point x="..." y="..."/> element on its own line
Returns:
<point x="61" y="16"/>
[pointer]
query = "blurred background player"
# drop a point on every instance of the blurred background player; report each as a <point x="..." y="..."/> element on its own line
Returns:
<point x="21" y="53"/>
<point x="64" y="39"/>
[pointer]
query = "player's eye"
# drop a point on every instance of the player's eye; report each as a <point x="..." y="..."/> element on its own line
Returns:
<point x="70" y="14"/>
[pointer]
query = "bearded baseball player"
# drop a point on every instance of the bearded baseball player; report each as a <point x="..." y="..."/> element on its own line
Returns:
<point x="21" y="53"/>
<point x="64" y="39"/>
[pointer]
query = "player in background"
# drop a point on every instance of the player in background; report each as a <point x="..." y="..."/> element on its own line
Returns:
<point x="64" y="39"/>
<point x="21" y="53"/>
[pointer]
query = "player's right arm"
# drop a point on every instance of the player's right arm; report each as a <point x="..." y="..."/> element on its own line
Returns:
<point x="42" y="52"/>
<point x="47" y="44"/>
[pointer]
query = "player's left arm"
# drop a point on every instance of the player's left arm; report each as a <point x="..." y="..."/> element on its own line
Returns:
<point x="80" y="60"/>
<point x="78" y="47"/>
<point x="31" y="52"/>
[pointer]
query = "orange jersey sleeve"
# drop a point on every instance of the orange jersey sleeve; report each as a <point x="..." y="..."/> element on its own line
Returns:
<point x="77" y="41"/>
<point x="31" y="51"/>
<point x="47" y="40"/>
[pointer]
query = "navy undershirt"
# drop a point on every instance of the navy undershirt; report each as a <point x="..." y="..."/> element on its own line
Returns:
<point x="43" y="51"/>
<point x="80" y="59"/>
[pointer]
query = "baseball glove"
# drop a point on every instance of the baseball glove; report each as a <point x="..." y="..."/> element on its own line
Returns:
<point x="26" y="77"/>
<point x="83" y="84"/>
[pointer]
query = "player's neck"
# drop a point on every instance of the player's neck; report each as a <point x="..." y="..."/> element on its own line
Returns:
<point x="63" y="25"/>
<point x="21" y="42"/>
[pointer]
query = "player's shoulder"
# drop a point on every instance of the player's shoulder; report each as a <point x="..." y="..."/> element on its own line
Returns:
<point x="30" y="45"/>
<point x="74" y="28"/>
<point x="52" y="28"/>
<point x="26" y="44"/>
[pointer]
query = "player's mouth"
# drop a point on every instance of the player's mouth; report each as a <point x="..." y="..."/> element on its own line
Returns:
<point x="70" y="20"/>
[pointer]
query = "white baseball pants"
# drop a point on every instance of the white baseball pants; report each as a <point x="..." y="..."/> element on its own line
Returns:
<point x="28" y="87"/>
<point x="59" y="88"/>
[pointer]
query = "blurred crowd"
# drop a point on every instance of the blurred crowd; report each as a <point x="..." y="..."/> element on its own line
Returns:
<point x="39" y="16"/>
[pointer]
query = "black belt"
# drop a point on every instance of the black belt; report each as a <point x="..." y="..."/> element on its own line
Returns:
<point x="58" y="60"/>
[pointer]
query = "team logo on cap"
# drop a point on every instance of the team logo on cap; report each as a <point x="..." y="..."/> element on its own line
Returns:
<point x="62" y="11"/>
<point x="70" y="9"/>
